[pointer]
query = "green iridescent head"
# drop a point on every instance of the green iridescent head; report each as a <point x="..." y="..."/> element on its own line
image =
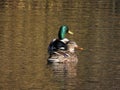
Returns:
<point x="63" y="31"/>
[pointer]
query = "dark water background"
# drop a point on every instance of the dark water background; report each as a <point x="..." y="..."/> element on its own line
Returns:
<point x="27" y="27"/>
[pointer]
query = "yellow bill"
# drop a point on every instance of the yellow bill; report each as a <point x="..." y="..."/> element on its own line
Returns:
<point x="70" y="32"/>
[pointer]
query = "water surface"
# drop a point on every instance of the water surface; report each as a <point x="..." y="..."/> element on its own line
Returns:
<point x="27" y="27"/>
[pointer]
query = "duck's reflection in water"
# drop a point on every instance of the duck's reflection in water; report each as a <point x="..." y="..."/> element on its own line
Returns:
<point x="65" y="74"/>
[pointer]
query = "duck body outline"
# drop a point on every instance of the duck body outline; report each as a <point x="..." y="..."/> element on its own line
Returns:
<point x="62" y="49"/>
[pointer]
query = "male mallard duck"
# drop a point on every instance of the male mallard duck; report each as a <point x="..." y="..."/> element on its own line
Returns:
<point x="62" y="56"/>
<point x="61" y="41"/>
<point x="62" y="49"/>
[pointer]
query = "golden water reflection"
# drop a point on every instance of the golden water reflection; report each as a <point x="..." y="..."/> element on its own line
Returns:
<point x="27" y="27"/>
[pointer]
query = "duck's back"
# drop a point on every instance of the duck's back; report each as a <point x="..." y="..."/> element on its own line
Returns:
<point x="56" y="45"/>
<point x="63" y="56"/>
